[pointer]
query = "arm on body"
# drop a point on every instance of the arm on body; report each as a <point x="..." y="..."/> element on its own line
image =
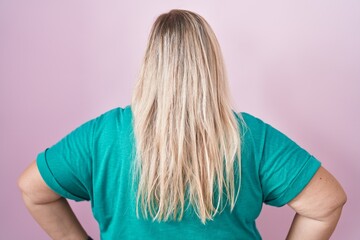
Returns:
<point x="50" y="210"/>
<point x="318" y="208"/>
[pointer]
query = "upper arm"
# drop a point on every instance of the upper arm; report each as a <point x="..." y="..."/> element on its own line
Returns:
<point x="34" y="187"/>
<point x="66" y="166"/>
<point x="284" y="167"/>
<point x="321" y="196"/>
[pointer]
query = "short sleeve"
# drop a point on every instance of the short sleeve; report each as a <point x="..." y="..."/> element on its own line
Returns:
<point x="285" y="168"/>
<point x="66" y="166"/>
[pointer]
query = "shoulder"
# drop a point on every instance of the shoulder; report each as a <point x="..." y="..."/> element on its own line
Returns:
<point x="111" y="122"/>
<point x="260" y="134"/>
<point x="250" y="119"/>
<point x="111" y="113"/>
<point x="250" y="124"/>
<point x="117" y="114"/>
<point x="247" y="118"/>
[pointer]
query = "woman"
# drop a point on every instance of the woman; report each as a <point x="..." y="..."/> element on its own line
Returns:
<point x="179" y="163"/>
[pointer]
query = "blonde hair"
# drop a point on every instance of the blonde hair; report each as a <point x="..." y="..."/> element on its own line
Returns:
<point x="187" y="136"/>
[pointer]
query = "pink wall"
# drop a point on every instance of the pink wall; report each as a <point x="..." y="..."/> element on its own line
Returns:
<point x="295" y="65"/>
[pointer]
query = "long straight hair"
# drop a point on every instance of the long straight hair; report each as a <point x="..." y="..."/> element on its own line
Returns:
<point x="187" y="137"/>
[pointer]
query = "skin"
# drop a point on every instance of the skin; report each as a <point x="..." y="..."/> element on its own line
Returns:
<point x="52" y="212"/>
<point x="318" y="207"/>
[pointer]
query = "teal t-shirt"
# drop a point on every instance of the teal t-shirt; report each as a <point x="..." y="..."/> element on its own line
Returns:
<point x="93" y="163"/>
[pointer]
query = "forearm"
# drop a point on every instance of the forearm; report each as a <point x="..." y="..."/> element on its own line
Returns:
<point x="57" y="219"/>
<point x="312" y="229"/>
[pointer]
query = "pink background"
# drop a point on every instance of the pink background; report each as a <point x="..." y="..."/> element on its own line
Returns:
<point x="295" y="65"/>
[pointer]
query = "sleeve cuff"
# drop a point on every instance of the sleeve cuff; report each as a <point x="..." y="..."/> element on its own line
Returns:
<point x="299" y="183"/>
<point x="49" y="178"/>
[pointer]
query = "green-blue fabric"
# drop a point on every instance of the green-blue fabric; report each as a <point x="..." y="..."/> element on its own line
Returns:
<point x="93" y="163"/>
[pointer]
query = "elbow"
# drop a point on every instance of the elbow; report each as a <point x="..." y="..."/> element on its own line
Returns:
<point x="334" y="197"/>
<point x="321" y="199"/>
<point x="330" y="208"/>
<point x="338" y="202"/>
<point x="342" y="198"/>
<point x="33" y="187"/>
<point x="25" y="182"/>
<point x="22" y="183"/>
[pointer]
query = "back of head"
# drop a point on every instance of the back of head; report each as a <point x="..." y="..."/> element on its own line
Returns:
<point x="187" y="137"/>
